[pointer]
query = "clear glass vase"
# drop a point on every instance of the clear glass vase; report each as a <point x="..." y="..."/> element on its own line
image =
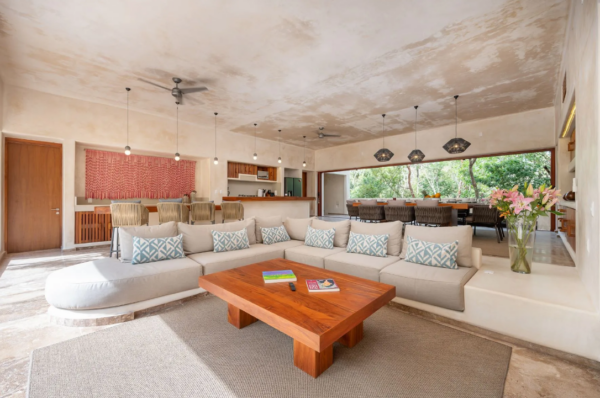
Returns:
<point x="521" y="238"/>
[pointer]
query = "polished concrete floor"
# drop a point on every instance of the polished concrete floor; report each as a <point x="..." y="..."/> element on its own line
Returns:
<point x="25" y="326"/>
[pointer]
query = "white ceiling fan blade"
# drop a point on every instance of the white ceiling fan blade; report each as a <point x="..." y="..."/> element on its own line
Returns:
<point x="154" y="84"/>
<point x="193" y="90"/>
<point x="331" y="135"/>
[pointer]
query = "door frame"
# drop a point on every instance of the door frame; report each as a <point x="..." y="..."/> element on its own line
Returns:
<point x="23" y="141"/>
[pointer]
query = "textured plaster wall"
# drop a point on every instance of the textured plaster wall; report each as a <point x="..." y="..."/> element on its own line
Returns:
<point x="35" y="115"/>
<point x="580" y="61"/>
<point x="516" y="132"/>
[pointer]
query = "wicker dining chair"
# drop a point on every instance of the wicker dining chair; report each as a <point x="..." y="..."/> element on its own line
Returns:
<point x="433" y="216"/>
<point x="352" y="210"/>
<point x="483" y="216"/>
<point x="170" y="211"/>
<point x="232" y="211"/>
<point x="371" y="213"/>
<point x="406" y="214"/>
<point x="203" y="211"/>
<point x="126" y="215"/>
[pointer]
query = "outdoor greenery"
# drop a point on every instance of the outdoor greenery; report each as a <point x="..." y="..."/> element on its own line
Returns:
<point x="469" y="178"/>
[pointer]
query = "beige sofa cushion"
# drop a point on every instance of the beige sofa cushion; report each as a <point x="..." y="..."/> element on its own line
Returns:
<point x="215" y="262"/>
<point x="441" y="287"/>
<point x="463" y="234"/>
<point x="126" y="235"/>
<point x="360" y="265"/>
<point x="311" y="255"/>
<point x="266" y="222"/>
<point x="399" y="202"/>
<point x="296" y="227"/>
<point x="106" y="282"/>
<point x="342" y="230"/>
<point x="393" y="229"/>
<point x="198" y="238"/>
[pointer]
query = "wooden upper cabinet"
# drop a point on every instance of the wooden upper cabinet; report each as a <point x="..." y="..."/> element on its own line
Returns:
<point x="235" y="169"/>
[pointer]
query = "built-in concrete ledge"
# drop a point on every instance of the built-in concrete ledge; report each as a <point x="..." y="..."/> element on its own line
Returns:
<point x="123" y="313"/>
<point x="549" y="307"/>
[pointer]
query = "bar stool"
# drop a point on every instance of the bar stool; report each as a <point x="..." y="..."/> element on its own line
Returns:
<point x="169" y="211"/>
<point x="126" y="215"/>
<point x="232" y="211"/>
<point x="203" y="211"/>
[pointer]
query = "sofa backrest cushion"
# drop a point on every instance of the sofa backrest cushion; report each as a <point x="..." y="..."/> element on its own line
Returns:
<point x="400" y="202"/>
<point x="369" y="202"/>
<point x="393" y="229"/>
<point x="126" y="235"/>
<point x="463" y="234"/>
<point x="342" y="230"/>
<point x="296" y="227"/>
<point x="428" y="202"/>
<point x="199" y="239"/>
<point x="266" y="222"/>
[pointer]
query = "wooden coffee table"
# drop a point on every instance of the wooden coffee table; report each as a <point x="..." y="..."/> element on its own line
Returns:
<point x="314" y="320"/>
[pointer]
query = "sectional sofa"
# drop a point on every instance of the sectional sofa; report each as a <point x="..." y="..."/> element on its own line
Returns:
<point x="111" y="287"/>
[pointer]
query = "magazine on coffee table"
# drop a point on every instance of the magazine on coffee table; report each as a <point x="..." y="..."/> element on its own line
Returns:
<point x="321" y="285"/>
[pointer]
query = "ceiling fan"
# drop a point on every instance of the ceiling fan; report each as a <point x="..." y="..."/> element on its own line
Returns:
<point x="176" y="91"/>
<point x="323" y="135"/>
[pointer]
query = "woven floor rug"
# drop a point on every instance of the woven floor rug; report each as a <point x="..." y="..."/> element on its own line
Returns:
<point x="192" y="351"/>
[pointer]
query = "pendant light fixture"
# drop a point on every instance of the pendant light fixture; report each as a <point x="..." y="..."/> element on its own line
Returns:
<point x="216" y="159"/>
<point x="255" y="155"/>
<point x="279" y="139"/>
<point x="304" y="161"/>
<point x="416" y="155"/>
<point x="456" y="145"/>
<point x="127" y="147"/>
<point x="384" y="154"/>
<point x="177" y="157"/>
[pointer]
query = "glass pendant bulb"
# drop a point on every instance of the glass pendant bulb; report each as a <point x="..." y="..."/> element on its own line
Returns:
<point x="279" y="160"/>
<point x="304" y="164"/>
<point x="127" y="150"/>
<point x="177" y="157"/>
<point x="216" y="160"/>
<point x="255" y="156"/>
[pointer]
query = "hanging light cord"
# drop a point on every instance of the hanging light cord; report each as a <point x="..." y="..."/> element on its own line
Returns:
<point x="304" y="148"/>
<point x="177" y="128"/>
<point x="254" y="137"/>
<point x="383" y="128"/>
<point x="416" y="116"/>
<point x="279" y="138"/>
<point x="127" y="116"/>
<point x="216" y="133"/>
<point x="456" y="116"/>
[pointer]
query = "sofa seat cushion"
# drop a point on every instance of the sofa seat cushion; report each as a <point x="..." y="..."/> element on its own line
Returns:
<point x="360" y="265"/>
<point x="441" y="287"/>
<point x="107" y="282"/>
<point x="311" y="255"/>
<point x="215" y="262"/>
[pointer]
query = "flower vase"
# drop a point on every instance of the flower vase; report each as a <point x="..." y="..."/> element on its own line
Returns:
<point x="521" y="238"/>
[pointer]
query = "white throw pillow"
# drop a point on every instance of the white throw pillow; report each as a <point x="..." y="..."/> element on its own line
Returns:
<point x="126" y="234"/>
<point x="342" y="230"/>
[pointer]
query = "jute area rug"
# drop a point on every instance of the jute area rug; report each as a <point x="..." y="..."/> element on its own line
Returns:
<point x="192" y="351"/>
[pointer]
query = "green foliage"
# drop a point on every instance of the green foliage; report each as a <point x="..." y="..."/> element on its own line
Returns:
<point x="452" y="178"/>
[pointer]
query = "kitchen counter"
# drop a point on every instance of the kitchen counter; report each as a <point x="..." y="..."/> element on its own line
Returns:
<point x="266" y="199"/>
<point x="284" y="206"/>
<point x="568" y="203"/>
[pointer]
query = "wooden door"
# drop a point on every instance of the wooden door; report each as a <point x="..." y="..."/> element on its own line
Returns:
<point x="304" y="183"/>
<point x="33" y="189"/>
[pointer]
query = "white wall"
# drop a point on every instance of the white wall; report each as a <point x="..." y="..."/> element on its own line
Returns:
<point x="36" y="115"/>
<point x="516" y="132"/>
<point x="580" y="61"/>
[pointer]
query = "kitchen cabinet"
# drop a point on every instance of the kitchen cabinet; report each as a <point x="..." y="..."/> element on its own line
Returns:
<point x="234" y="170"/>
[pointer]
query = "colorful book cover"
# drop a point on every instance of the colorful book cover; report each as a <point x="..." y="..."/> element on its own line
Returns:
<point x="279" y="276"/>
<point x="322" y="285"/>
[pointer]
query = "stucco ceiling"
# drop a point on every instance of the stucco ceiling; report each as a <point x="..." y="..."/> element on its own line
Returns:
<point x="294" y="65"/>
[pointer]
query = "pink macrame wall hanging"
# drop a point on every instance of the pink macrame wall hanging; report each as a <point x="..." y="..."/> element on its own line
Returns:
<point x="113" y="175"/>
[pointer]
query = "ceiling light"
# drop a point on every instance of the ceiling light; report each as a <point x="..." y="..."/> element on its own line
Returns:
<point x="177" y="157"/>
<point x="279" y="139"/>
<point x="304" y="161"/>
<point x="416" y="155"/>
<point x="456" y="145"/>
<point x="127" y="147"/>
<point x="216" y="159"/>
<point x="255" y="156"/>
<point x="384" y="154"/>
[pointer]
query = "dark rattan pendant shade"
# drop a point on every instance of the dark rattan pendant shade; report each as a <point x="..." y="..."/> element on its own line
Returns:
<point x="384" y="154"/>
<point x="416" y="156"/>
<point x="456" y="145"/>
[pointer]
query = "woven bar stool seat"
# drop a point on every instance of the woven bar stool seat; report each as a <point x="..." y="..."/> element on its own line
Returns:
<point x="203" y="211"/>
<point x="168" y="211"/>
<point x="126" y="215"/>
<point x="232" y="211"/>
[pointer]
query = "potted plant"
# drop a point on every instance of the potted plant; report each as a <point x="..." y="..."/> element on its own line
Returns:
<point x="521" y="212"/>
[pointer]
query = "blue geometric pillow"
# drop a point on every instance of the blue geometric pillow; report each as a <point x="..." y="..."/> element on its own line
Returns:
<point x="322" y="238"/>
<point x="371" y="245"/>
<point x="229" y="241"/>
<point x="156" y="249"/>
<point x="274" y="235"/>
<point x="434" y="254"/>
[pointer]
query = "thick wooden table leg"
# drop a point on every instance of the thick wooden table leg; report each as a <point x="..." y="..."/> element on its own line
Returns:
<point x="353" y="337"/>
<point x="239" y="318"/>
<point x="312" y="362"/>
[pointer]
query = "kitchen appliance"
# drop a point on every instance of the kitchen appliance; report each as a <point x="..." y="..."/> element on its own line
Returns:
<point x="293" y="186"/>
<point x="261" y="193"/>
<point x="262" y="175"/>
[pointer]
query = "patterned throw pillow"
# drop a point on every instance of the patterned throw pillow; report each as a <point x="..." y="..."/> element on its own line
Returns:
<point x="435" y="254"/>
<point x="156" y="249"/>
<point x="371" y="245"/>
<point x="274" y="235"/>
<point x="322" y="238"/>
<point x="230" y="241"/>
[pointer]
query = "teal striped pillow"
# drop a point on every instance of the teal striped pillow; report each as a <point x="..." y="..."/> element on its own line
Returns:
<point x="441" y="255"/>
<point x="371" y="245"/>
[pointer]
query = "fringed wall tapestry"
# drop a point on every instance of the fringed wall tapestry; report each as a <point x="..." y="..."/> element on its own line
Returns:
<point x="113" y="175"/>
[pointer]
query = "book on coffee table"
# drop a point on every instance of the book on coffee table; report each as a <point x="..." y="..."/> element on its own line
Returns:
<point x="279" y="276"/>
<point x="322" y="285"/>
